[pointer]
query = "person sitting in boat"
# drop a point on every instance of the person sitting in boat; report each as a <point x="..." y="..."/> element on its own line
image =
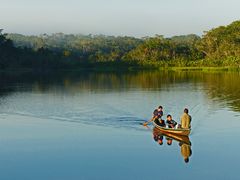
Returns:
<point x="185" y="119"/>
<point x="160" y="112"/>
<point x="157" y="117"/>
<point x="170" y="122"/>
<point x="160" y="122"/>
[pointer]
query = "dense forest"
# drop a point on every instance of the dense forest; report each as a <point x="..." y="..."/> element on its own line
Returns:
<point x="219" y="47"/>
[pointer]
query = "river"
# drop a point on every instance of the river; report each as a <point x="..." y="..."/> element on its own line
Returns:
<point x="88" y="125"/>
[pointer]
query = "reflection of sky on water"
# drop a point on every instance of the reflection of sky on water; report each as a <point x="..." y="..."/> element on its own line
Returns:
<point x="68" y="132"/>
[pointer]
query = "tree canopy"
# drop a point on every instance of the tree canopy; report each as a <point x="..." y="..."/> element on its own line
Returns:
<point x="217" y="47"/>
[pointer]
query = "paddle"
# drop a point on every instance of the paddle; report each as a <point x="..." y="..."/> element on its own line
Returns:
<point x="146" y="123"/>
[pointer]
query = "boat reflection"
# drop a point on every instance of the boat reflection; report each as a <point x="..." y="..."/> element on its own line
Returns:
<point x="183" y="141"/>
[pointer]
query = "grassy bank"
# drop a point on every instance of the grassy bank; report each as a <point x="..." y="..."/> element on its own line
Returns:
<point x="173" y="65"/>
<point x="124" y="69"/>
<point x="203" y="68"/>
<point x="227" y="64"/>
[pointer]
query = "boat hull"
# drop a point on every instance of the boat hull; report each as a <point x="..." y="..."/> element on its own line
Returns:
<point x="178" y="138"/>
<point x="179" y="131"/>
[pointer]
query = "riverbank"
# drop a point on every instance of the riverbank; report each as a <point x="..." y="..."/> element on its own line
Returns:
<point x="203" y="68"/>
<point x="122" y="69"/>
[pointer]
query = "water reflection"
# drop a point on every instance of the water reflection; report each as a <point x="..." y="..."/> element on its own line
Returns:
<point x="59" y="116"/>
<point x="183" y="142"/>
<point x="218" y="86"/>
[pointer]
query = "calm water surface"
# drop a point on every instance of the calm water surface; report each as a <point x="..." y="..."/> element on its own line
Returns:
<point x="87" y="125"/>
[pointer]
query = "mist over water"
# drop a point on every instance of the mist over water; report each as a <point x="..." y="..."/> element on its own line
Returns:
<point x="64" y="116"/>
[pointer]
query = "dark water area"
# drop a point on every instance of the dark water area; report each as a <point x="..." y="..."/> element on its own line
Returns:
<point x="75" y="125"/>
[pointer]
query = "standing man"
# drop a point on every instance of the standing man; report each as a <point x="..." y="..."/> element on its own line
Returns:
<point x="186" y="119"/>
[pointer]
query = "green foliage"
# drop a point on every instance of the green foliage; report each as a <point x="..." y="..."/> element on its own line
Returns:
<point x="165" y="49"/>
<point x="92" y="48"/>
<point x="7" y="52"/>
<point x="221" y="42"/>
<point x="217" y="47"/>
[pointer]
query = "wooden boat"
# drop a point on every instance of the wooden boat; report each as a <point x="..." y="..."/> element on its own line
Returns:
<point x="178" y="138"/>
<point x="179" y="131"/>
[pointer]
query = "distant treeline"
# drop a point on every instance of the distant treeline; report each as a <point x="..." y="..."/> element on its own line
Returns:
<point x="217" y="47"/>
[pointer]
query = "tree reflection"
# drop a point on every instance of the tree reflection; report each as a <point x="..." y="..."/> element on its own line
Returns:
<point x="220" y="86"/>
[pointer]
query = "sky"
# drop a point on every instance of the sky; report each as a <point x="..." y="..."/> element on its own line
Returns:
<point x="137" y="18"/>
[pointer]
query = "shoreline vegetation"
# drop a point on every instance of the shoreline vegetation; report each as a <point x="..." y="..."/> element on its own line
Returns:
<point x="218" y="49"/>
<point x="126" y="69"/>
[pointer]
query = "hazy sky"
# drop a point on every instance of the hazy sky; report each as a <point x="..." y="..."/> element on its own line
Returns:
<point x="116" y="17"/>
